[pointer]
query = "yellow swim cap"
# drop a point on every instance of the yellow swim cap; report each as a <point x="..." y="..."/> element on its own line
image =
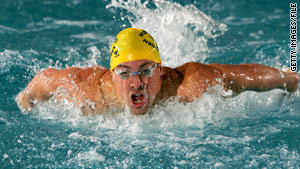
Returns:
<point x="133" y="44"/>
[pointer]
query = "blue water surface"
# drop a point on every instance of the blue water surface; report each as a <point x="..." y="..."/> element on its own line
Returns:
<point x="251" y="130"/>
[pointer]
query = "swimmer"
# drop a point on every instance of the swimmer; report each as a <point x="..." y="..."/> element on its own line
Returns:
<point x="137" y="80"/>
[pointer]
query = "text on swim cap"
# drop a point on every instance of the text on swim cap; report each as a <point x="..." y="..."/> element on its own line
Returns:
<point x="114" y="52"/>
<point x="116" y="40"/>
<point x="150" y="44"/>
<point x="143" y="33"/>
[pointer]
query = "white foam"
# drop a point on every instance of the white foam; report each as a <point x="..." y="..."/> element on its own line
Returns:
<point x="5" y="156"/>
<point x="94" y="53"/>
<point x="233" y="20"/>
<point x="76" y="23"/>
<point x="9" y="29"/>
<point x="7" y="55"/>
<point x="90" y="155"/>
<point x="211" y="109"/>
<point x="172" y="126"/>
<point x="89" y="35"/>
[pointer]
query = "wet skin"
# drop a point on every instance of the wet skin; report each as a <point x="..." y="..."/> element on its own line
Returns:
<point x="137" y="92"/>
<point x="96" y="90"/>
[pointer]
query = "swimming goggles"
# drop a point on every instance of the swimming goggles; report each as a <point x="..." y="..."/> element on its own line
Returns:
<point x="146" y="72"/>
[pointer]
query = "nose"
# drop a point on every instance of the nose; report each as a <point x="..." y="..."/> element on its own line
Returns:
<point x="136" y="83"/>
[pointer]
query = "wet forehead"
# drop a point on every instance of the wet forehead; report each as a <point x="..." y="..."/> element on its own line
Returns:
<point x="138" y="64"/>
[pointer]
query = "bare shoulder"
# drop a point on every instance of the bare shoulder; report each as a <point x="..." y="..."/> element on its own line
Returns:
<point x="189" y="81"/>
<point x="197" y="79"/>
<point x="171" y="79"/>
<point x="199" y="70"/>
<point x="74" y="72"/>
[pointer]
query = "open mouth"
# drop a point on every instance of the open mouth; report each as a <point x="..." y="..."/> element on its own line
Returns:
<point x="138" y="100"/>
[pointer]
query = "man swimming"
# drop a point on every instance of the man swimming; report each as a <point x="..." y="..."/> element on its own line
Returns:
<point x="137" y="80"/>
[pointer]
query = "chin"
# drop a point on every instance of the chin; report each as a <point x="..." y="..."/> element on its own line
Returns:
<point x="138" y="111"/>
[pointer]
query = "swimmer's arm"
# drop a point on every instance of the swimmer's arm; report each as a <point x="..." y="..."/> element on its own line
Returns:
<point x="39" y="89"/>
<point x="257" y="77"/>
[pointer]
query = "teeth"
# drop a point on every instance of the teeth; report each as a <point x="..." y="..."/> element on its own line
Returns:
<point x="138" y="101"/>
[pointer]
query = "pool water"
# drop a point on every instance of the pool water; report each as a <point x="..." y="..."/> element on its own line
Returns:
<point x="251" y="130"/>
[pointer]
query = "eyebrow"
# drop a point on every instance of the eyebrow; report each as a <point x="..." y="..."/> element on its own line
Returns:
<point x="141" y="66"/>
<point x="125" y="66"/>
<point x="144" y="64"/>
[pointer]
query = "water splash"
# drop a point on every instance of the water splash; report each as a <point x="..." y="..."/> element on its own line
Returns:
<point x="243" y="131"/>
<point x="201" y="126"/>
<point x="181" y="32"/>
<point x="211" y="109"/>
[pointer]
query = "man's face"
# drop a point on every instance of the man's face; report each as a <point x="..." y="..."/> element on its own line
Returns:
<point x="138" y="91"/>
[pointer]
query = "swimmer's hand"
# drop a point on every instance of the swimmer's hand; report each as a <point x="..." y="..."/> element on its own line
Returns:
<point x="40" y="89"/>
<point x="291" y="83"/>
<point x="23" y="102"/>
